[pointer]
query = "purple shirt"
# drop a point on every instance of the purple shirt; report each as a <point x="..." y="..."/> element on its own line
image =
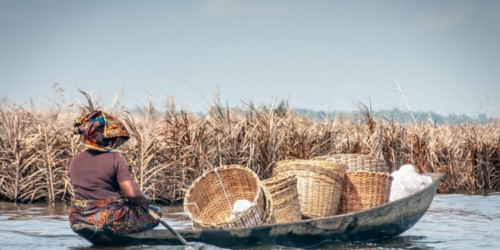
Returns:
<point x="95" y="175"/>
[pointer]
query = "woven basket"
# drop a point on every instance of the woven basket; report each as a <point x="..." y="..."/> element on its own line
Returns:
<point x="269" y="217"/>
<point x="285" y="198"/>
<point x="319" y="188"/>
<point x="367" y="181"/>
<point x="209" y="200"/>
<point x="358" y="162"/>
<point x="364" y="190"/>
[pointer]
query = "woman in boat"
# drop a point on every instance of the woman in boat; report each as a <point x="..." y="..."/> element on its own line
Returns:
<point x="105" y="193"/>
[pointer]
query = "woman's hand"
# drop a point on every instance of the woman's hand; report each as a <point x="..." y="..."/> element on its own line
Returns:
<point x="133" y="193"/>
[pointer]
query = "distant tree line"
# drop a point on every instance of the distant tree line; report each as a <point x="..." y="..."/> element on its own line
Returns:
<point x="400" y="116"/>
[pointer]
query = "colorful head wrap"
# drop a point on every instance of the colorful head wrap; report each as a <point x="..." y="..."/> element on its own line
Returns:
<point x="100" y="131"/>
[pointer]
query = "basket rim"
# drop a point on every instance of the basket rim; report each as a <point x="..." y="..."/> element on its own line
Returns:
<point x="307" y="161"/>
<point x="316" y="169"/>
<point x="338" y="167"/>
<point x="348" y="155"/>
<point x="369" y="173"/>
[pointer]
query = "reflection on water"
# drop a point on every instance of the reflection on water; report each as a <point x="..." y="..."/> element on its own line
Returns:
<point x="46" y="226"/>
<point x="452" y="222"/>
<point x="460" y="221"/>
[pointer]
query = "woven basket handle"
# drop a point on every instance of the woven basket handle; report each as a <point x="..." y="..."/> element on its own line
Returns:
<point x="223" y="189"/>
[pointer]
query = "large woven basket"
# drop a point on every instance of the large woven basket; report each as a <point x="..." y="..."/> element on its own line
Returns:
<point x="358" y="162"/>
<point x="285" y="198"/>
<point x="364" y="190"/>
<point x="319" y="188"/>
<point x="367" y="181"/>
<point x="208" y="201"/>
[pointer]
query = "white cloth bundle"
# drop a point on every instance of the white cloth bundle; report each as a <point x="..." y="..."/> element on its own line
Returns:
<point x="407" y="181"/>
<point x="239" y="207"/>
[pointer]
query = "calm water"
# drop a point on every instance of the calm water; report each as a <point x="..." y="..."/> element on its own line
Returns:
<point x="452" y="222"/>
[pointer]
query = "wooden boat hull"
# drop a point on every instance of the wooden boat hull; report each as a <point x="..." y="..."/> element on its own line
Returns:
<point x="383" y="221"/>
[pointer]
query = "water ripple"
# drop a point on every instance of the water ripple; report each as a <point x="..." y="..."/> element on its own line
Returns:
<point x="452" y="222"/>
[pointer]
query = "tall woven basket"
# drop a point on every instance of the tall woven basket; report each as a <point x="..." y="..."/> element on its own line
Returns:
<point x="319" y="188"/>
<point x="285" y="198"/>
<point x="367" y="181"/>
<point x="364" y="190"/>
<point x="210" y="198"/>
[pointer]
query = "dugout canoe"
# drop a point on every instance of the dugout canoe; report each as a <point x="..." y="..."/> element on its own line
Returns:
<point x="387" y="220"/>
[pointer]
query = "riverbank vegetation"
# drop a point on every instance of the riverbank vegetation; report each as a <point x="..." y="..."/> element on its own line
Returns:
<point x="169" y="149"/>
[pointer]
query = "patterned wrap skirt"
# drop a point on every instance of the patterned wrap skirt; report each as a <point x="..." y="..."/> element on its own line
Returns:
<point x="115" y="214"/>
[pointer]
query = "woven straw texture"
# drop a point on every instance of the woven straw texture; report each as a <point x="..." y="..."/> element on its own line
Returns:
<point x="319" y="188"/>
<point x="209" y="200"/>
<point x="270" y="217"/>
<point x="364" y="190"/>
<point x="367" y="181"/>
<point x="358" y="162"/>
<point x="285" y="198"/>
<point x="337" y="167"/>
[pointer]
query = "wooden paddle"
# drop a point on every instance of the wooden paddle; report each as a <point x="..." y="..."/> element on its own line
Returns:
<point x="156" y="217"/>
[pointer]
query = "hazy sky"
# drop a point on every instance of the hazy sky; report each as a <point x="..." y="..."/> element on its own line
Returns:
<point x="321" y="55"/>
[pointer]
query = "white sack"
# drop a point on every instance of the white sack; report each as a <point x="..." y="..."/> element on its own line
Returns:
<point x="407" y="181"/>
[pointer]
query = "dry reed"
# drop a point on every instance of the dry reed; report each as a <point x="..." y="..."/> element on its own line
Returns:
<point x="167" y="152"/>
